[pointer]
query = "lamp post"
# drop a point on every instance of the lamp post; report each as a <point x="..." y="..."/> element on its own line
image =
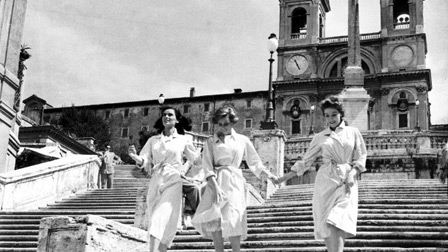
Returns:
<point x="417" y="126"/>
<point x="269" y="122"/>
<point x="312" y="126"/>
<point x="161" y="100"/>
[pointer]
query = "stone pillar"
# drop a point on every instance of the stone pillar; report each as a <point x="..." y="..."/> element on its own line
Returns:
<point x="356" y="103"/>
<point x="89" y="233"/>
<point x="140" y="220"/>
<point x="354" y="97"/>
<point x="270" y="146"/>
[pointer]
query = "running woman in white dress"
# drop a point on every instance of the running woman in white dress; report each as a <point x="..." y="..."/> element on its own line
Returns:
<point x="335" y="199"/>
<point x="162" y="158"/>
<point x="221" y="214"/>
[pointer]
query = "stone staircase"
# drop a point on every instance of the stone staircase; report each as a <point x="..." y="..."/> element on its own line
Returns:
<point x="19" y="230"/>
<point x="400" y="215"/>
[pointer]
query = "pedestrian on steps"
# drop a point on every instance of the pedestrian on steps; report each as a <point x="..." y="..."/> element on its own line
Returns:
<point x="221" y="214"/>
<point x="335" y="198"/>
<point x="161" y="157"/>
<point x="443" y="166"/>
<point x="107" y="172"/>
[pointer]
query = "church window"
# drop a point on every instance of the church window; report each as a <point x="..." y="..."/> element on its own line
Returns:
<point x="295" y="129"/>
<point x="338" y="68"/>
<point x="401" y="14"/>
<point x="298" y="23"/>
<point x="403" y="120"/>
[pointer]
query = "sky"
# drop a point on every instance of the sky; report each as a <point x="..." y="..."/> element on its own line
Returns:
<point x="104" y="51"/>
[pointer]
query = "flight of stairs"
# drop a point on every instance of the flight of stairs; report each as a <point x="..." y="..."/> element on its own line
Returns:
<point x="19" y="230"/>
<point x="400" y="215"/>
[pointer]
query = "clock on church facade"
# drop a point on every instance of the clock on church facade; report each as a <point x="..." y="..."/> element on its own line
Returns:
<point x="311" y="66"/>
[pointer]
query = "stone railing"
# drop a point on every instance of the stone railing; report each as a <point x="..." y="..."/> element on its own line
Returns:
<point x="383" y="143"/>
<point x="37" y="185"/>
<point x="340" y="39"/>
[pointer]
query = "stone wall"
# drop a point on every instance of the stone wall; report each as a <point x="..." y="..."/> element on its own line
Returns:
<point x="89" y="233"/>
<point x="37" y="185"/>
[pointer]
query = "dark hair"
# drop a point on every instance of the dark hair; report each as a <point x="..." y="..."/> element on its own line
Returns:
<point x="223" y="112"/>
<point x="332" y="102"/>
<point x="184" y="123"/>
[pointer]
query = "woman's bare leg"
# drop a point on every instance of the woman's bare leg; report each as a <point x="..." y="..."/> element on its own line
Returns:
<point x="218" y="241"/>
<point x="235" y="241"/>
<point x="335" y="243"/>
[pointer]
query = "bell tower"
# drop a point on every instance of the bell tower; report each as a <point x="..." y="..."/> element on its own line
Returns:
<point x="402" y="26"/>
<point x="302" y="23"/>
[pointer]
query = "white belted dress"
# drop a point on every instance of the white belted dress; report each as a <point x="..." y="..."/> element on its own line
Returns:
<point x="334" y="203"/>
<point x="223" y="160"/>
<point x="162" y="157"/>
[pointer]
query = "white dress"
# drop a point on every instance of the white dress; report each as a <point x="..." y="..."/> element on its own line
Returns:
<point x="333" y="202"/>
<point x="223" y="159"/>
<point x="162" y="156"/>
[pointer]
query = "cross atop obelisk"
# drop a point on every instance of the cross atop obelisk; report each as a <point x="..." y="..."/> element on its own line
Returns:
<point x="354" y="97"/>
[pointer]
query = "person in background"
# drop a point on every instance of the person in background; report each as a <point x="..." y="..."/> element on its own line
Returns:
<point x="221" y="214"/>
<point x="335" y="198"/>
<point x="162" y="157"/>
<point x="443" y="166"/>
<point x="107" y="177"/>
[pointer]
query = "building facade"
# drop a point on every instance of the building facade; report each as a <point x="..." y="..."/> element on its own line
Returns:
<point x="12" y="18"/>
<point x="311" y="67"/>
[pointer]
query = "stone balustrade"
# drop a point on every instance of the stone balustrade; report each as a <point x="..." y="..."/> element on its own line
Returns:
<point x="382" y="143"/>
<point x="44" y="183"/>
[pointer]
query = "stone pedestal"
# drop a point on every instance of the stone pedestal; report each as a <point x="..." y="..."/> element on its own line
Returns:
<point x="270" y="146"/>
<point x="89" y="233"/>
<point x="355" y="102"/>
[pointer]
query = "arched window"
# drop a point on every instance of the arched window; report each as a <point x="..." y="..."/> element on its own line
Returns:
<point x="298" y="23"/>
<point x="339" y="67"/>
<point x="401" y="14"/>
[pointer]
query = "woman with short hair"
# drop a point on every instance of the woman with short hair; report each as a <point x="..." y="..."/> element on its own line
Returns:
<point x="335" y="198"/>
<point x="221" y="214"/>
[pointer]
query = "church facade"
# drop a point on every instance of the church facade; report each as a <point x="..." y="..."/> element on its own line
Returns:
<point x="311" y="67"/>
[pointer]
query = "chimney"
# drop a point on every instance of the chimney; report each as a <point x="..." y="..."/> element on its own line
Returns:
<point x="192" y="92"/>
<point x="238" y="90"/>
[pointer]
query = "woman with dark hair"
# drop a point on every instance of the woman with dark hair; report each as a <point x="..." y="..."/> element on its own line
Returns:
<point x="162" y="157"/>
<point x="221" y="214"/>
<point x="335" y="198"/>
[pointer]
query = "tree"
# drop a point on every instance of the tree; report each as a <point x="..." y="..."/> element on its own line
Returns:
<point x="81" y="122"/>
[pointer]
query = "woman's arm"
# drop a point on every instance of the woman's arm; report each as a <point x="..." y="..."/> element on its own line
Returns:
<point x="301" y="166"/>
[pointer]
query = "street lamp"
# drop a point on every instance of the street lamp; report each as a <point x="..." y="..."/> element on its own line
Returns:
<point x="161" y="100"/>
<point x="312" y="126"/>
<point x="269" y="122"/>
<point x="417" y="127"/>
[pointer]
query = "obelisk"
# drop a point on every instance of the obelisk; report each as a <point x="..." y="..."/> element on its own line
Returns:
<point x="354" y="97"/>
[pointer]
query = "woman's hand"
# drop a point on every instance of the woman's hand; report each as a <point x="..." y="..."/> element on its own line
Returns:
<point x="219" y="193"/>
<point x="351" y="176"/>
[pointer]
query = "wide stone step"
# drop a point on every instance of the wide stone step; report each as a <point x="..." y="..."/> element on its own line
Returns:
<point x="24" y="244"/>
<point x="314" y="249"/>
<point x="400" y="243"/>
